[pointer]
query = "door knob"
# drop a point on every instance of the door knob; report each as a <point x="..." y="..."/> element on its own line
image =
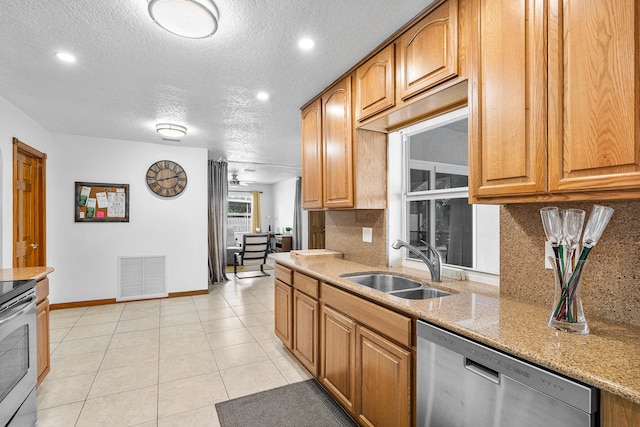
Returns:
<point x="34" y="246"/>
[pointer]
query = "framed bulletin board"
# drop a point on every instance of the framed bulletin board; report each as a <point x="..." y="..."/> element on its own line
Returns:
<point x="100" y="202"/>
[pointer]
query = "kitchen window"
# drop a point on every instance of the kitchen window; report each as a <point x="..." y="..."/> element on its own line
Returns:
<point x="435" y="194"/>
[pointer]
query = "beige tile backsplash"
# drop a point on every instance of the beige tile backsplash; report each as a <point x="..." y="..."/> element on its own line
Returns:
<point x="611" y="279"/>
<point x="343" y="233"/>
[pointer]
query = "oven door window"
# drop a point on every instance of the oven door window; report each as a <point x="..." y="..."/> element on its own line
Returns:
<point x="14" y="359"/>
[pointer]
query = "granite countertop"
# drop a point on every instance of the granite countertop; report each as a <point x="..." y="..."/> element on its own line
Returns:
<point x="608" y="357"/>
<point x="24" y="273"/>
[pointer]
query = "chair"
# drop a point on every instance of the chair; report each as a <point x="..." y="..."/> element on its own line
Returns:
<point x="255" y="248"/>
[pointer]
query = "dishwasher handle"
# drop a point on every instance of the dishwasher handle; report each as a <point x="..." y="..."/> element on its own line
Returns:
<point x="483" y="371"/>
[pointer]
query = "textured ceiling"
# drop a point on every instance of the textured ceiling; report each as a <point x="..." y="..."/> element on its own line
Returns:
<point x="131" y="74"/>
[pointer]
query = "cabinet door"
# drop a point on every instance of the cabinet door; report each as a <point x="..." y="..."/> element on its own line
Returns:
<point x="428" y="51"/>
<point x="337" y="128"/>
<point x="508" y="141"/>
<point x="283" y="312"/>
<point x="305" y="330"/>
<point x="337" y="346"/>
<point x="375" y="84"/>
<point x="312" y="156"/>
<point x="42" y="331"/>
<point x="594" y="95"/>
<point x="384" y="390"/>
<point x="616" y="411"/>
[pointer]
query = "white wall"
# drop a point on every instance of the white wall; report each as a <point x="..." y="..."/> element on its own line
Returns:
<point x="85" y="255"/>
<point x="285" y="197"/>
<point x="14" y="123"/>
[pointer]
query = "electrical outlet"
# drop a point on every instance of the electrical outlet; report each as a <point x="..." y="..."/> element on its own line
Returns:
<point x="367" y="234"/>
<point x="548" y="252"/>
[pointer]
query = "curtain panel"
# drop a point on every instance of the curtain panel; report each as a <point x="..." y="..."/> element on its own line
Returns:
<point x="297" y="216"/>
<point x="218" y="205"/>
<point x="255" y="211"/>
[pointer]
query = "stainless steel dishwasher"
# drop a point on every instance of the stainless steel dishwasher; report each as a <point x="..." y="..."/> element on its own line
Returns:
<point x="461" y="383"/>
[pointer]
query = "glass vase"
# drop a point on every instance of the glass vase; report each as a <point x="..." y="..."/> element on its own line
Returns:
<point x="567" y="314"/>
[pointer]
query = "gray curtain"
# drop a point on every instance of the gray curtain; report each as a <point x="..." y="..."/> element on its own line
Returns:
<point x="218" y="207"/>
<point x="297" y="217"/>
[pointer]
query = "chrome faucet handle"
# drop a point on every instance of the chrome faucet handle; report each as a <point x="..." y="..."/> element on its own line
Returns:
<point x="434" y="266"/>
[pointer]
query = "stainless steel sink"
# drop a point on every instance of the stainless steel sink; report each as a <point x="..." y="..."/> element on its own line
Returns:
<point x="395" y="285"/>
<point x="383" y="282"/>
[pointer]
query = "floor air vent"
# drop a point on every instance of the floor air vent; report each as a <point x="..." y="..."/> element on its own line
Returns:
<point x="141" y="278"/>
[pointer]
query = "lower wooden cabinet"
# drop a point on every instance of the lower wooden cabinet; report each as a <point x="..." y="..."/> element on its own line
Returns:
<point x="305" y="330"/>
<point x="42" y="329"/>
<point x="383" y="385"/>
<point x="616" y="411"/>
<point x="283" y="319"/>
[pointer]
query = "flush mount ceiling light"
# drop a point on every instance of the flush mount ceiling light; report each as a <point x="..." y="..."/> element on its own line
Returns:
<point x="65" y="57"/>
<point x="171" y="130"/>
<point x="262" y="96"/>
<point x="193" y="19"/>
<point x="306" y="44"/>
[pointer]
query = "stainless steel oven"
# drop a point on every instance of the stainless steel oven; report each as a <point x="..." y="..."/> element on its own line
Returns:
<point x="18" y="355"/>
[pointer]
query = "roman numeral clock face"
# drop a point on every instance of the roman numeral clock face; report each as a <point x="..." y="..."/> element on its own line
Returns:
<point x="166" y="178"/>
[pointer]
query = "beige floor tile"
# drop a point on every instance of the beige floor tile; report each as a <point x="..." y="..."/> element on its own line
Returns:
<point x="190" y="393"/>
<point x="67" y="312"/>
<point x="121" y="409"/>
<point x="181" y="331"/>
<point x="82" y="346"/>
<point x="257" y="319"/>
<point x="60" y="416"/>
<point x="117" y="380"/>
<point x="185" y="366"/>
<point x="62" y="391"/>
<point x="201" y="417"/>
<point x="262" y="332"/>
<point x="253" y="378"/>
<point x="57" y="335"/>
<point x="229" y="338"/>
<point x="183" y="345"/>
<point x="52" y="347"/>
<point x="63" y="322"/>
<point x="95" y="319"/>
<point x="237" y="300"/>
<point x="88" y="331"/>
<point x="243" y="310"/>
<point x="137" y="305"/>
<point x="130" y="356"/>
<point x="140" y="313"/>
<point x="273" y="347"/>
<point x="135" y="338"/>
<point x="225" y="324"/>
<point x="238" y="355"/>
<point x="166" y="302"/>
<point x="75" y="364"/>
<point x="218" y="313"/>
<point x="210" y="304"/>
<point x="138" y="324"/>
<point x="149" y="424"/>
<point x="291" y="369"/>
<point x="106" y="308"/>
<point x="179" y="319"/>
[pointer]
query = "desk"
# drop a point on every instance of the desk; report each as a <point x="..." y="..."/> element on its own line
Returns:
<point x="283" y="243"/>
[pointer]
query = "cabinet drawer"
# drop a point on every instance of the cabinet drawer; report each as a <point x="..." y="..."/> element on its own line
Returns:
<point x="284" y="274"/>
<point x="390" y="323"/>
<point x="305" y="284"/>
<point x="42" y="289"/>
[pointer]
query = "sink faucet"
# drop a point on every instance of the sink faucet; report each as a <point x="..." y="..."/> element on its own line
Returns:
<point x="434" y="264"/>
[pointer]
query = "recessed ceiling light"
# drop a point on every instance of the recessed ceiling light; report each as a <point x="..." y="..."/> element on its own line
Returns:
<point x="306" y="44"/>
<point x="193" y="19"/>
<point x="65" y="57"/>
<point x="171" y="130"/>
<point x="262" y="96"/>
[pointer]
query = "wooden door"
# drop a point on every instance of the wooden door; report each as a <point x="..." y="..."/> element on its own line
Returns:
<point x="312" y="156"/>
<point x="29" y="218"/>
<point x="305" y="330"/>
<point x="337" y="129"/>
<point x="383" y="389"/>
<point x="594" y="95"/>
<point x="428" y="51"/>
<point x="316" y="229"/>
<point x="283" y="316"/>
<point x="508" y="99"/>
<point x="375" y="84"/>
<point x="337" y="347"/>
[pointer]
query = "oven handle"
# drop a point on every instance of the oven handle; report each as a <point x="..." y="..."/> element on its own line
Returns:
<point x="29" y="303"/>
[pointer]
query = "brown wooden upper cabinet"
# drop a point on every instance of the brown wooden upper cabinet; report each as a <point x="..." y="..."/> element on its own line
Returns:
<point x="554" y="101"/>
<point x="312" y="156"/>
<point x="428" y="51"/>
<point x="375" y="84"/>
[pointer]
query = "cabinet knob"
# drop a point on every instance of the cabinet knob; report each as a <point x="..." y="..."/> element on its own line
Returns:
<point x="34" y="246"/>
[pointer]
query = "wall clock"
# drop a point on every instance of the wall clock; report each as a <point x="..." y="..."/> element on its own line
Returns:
<point x="166" y="178"/>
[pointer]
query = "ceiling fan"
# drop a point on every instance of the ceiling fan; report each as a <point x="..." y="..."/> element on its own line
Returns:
<point x="235" y="181"/>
